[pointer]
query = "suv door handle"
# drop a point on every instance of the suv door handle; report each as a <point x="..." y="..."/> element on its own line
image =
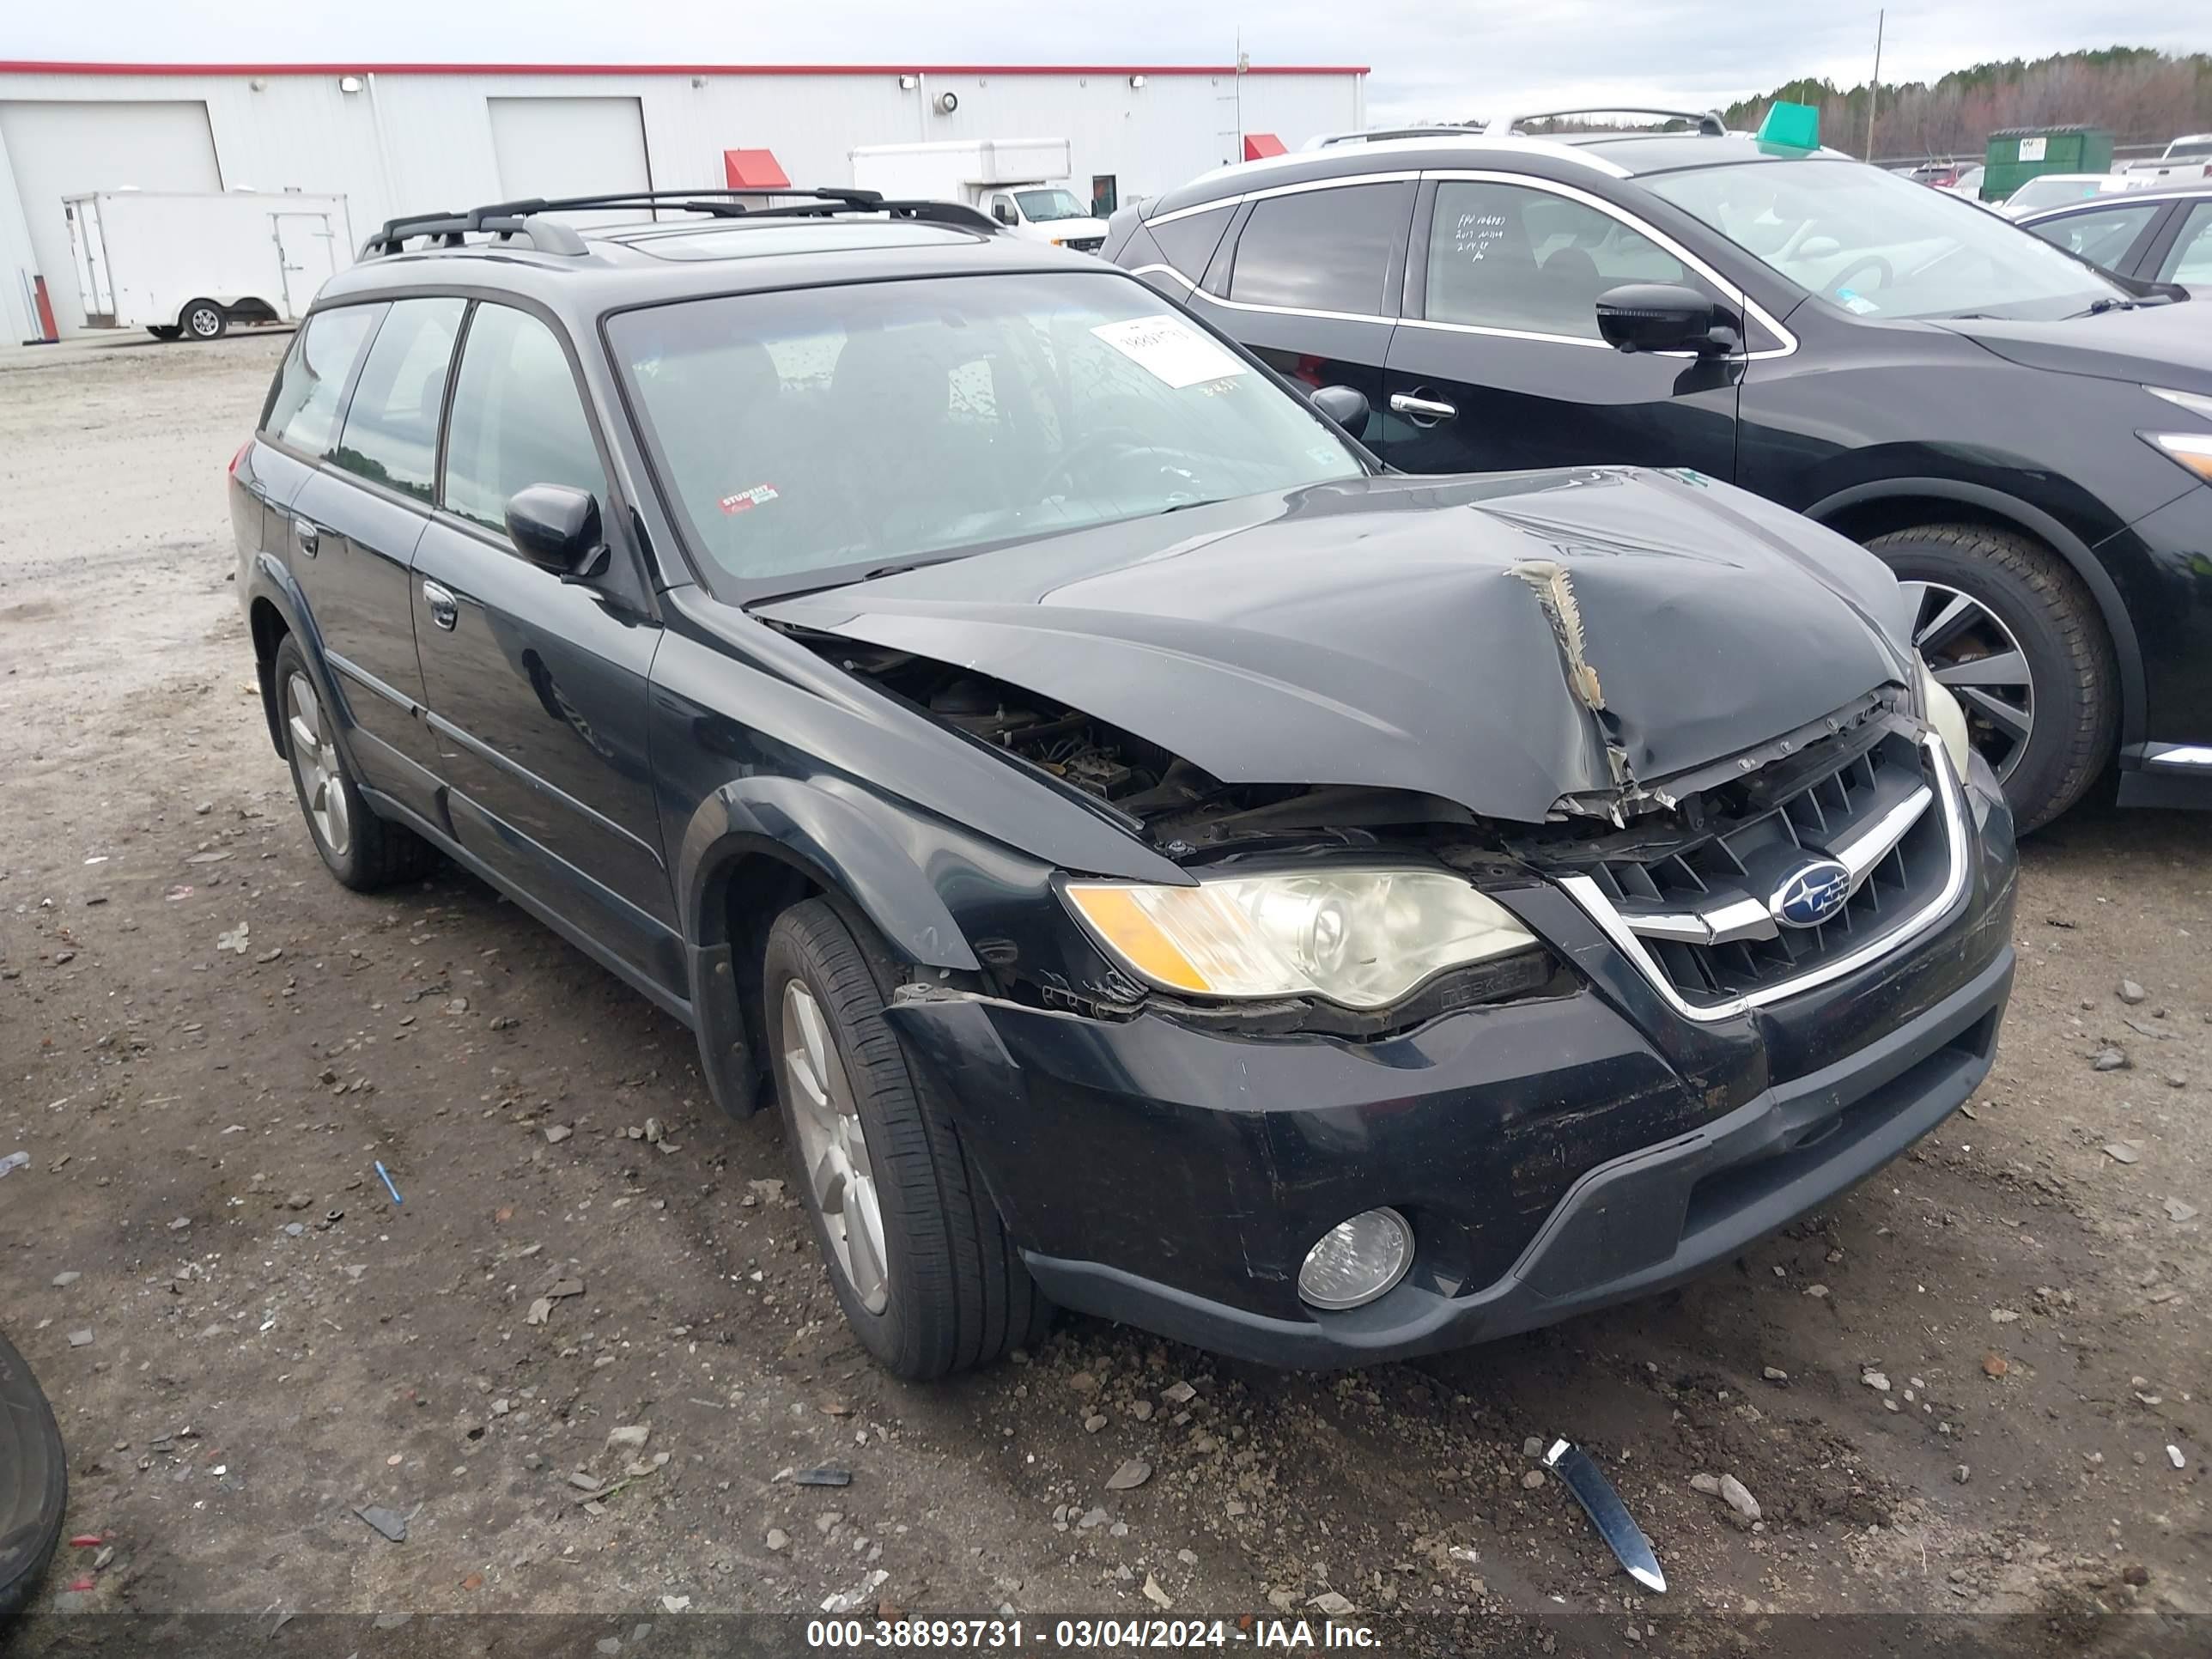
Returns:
<point x="1421" y="412"/>
<point x="308" y="536"/>
<point x="445" y="609"/>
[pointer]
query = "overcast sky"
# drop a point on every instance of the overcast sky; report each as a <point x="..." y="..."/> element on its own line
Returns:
<point x="1430" y="58"/>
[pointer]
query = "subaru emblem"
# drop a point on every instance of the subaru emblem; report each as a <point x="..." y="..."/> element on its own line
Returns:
<point x="1811" y="894"/>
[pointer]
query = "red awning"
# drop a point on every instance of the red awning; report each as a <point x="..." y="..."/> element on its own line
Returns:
<point x="754" y="169"/>
<point x="1259" y="144"/>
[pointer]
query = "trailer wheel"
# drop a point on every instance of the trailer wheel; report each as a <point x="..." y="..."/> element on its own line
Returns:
<point x="164" y="330"/>
<point x="204" y="320"/>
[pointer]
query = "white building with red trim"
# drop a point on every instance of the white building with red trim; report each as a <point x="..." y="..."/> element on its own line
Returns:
<point x="399" y="139"/>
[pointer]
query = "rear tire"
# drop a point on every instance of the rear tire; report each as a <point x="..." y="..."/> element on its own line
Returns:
<point x="34" y="1483"/>
<point x="363" y="850"/>
<point x="947" y="1291"/>
<point x="204" y="320"/>
<point x="164" y="330"/>
<point x="2027" y="591"/>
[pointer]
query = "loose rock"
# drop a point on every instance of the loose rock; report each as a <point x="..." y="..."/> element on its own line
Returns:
<point x="2120" y="1152"/>
<point x="2111" y="1060"/>
<point x="1875" y="1381"/>
<point x="1130" y="1475"/>
<point x="2130" y="992"/>
<point x="1737" y="1498"/>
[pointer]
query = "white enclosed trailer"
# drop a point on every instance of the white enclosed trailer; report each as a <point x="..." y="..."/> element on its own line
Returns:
<point x="1022" y="183"/>
<point x="194" y="262"/>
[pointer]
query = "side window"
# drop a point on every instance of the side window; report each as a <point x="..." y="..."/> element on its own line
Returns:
<point x="2189" y="259"/>
<point x="392" y="424"/>
<point x="1322" y="250"/>
<point x="1188" y="244"/>
<point x="1002" y="210"/>
<point x="2102" y="237"/>
<point x="303" y="406"/>
<point x="1503" y="256"/>
<point x="517" y="419"/>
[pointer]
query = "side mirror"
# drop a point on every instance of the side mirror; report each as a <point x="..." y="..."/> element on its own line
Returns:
<point x="1346" y="405"/>
<point x="556" y="528"/>
<point x="1655" y="317"/>
<point x="1003" y="214"/>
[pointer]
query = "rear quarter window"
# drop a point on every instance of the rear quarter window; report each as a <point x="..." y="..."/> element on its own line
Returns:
<point x="1188" y="244"/>
<point x="306" y="403"/>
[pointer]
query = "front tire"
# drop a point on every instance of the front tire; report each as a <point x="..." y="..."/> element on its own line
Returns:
<point x="363" y="850"/>
<point x="922" y="1265"/>
<point x="34" y="1483"/>
<point x="204" y="320"/>
<point x="164" y="330"/>
<point x="2005" y="623"/>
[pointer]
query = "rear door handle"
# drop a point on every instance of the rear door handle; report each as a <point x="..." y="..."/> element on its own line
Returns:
<point x="445" y="609"/>
<point x="308" y="536"/>
<point x="1422" y="411"/>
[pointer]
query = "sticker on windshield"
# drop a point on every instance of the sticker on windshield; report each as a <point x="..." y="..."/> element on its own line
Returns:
<point x="1171" y="350"/>
<point x="746" y="500"/>
<point x="1857" y="303"/>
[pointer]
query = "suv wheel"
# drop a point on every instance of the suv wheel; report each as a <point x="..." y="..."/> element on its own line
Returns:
<point x="920" y="1263"/>
<point x="204" y="320"/>
<point x="34" y="1483"/>
<point x="2010" y="630"/>
<point x="363" y="850"/>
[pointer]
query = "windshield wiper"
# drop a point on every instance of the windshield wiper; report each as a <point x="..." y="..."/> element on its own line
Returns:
<point x="2111" y="302"/>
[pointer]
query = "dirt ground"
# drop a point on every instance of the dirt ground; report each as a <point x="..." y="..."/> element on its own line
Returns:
<point x="1996" y="1352"/>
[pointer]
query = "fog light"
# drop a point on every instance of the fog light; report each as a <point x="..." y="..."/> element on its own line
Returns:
<point x="1357" y="1261"/>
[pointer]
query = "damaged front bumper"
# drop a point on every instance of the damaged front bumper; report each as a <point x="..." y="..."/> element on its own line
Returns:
<point x="1552" y="1155"/>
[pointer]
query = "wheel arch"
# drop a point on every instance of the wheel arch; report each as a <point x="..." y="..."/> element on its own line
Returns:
<point x="1867" y="510"/>
<point x="754" y="848"/>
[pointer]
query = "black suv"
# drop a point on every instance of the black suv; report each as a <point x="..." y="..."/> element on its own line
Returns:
<point x="2025" y="443"/>
<point x="1158" y="862"/>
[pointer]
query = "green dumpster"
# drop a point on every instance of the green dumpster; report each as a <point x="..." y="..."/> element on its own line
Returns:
<point x="2016" y="155"/>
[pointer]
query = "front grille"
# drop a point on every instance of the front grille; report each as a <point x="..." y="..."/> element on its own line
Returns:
<point x="1699" y="904"/>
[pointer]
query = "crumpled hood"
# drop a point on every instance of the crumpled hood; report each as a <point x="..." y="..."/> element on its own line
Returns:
<point x="1407" y="634"/>
<point x="2168" y="345"/>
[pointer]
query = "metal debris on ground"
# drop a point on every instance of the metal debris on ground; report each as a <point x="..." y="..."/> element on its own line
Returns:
<point x="1606" y="1513"/>
<point x="823" y="1477"/>
<point x="390" y="1522"/>
<point x="384" y="1176"/>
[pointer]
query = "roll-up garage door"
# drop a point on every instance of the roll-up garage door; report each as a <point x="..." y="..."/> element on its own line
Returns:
<point x="570" y="147"/>
<point x="62" y="149"/>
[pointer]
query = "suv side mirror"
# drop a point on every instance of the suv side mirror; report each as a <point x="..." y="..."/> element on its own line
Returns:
<point x="1345" y="404"/>
<point x="556" y="528"/>
<point x="1656" y="317"/>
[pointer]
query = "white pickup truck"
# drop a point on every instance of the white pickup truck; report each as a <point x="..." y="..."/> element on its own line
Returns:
<point x="2189" y="156"/>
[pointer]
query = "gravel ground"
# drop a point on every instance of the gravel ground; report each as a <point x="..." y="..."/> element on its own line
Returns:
<point x="583" y="1357"/>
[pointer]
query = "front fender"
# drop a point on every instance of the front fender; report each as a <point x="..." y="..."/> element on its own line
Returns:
<point x="823" y="827"/>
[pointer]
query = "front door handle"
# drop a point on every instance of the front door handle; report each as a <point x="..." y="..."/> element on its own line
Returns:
<point x="308" y="536"/>
<point x="1421" y="412"/>
<point x="445" y="609"/>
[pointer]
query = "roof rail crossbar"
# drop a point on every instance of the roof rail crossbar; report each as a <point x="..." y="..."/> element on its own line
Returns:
<point x="1708" y="121"/>
<point x="1377" y="135"/>
<point x="519" y="218"/>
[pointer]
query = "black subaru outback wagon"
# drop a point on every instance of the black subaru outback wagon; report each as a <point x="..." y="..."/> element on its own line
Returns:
<point x="2027" y="444"/>
<point x="1157" y="863"/>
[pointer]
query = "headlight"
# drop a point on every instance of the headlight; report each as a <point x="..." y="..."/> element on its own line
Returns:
<point x="1362" y="938"/>
<point x="2191" y="449"/>
<point x="1943" y="712"/>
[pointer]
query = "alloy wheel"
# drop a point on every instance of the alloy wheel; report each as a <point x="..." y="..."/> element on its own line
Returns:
<point x="205" y="321"/>
<point x="1969" y="651"/>
<point x="315" y="764"/>
<point x="834" y="1146"/>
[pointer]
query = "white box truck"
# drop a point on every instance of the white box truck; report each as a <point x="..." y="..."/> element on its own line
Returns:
<point x="1022" y="183"/>
<point x="192" y="263"/>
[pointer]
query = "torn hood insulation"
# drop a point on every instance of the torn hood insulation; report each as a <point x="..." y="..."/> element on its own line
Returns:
<point x="1505" y="641"/>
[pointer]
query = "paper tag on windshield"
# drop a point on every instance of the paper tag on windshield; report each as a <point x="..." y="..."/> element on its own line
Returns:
<point x="1173" y="350"/>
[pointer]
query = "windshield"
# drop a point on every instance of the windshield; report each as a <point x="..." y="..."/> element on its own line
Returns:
<point x="2051" y="189"/>
<point x="844" y="429"/>
<point x="1879" y="245"/>
<point x="1040" y="205"/>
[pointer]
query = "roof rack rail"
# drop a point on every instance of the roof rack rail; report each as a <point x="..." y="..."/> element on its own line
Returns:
<point x="1373" y="134"/>
<point x="1708" y="121"/>
<point x="507" y="220"/>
